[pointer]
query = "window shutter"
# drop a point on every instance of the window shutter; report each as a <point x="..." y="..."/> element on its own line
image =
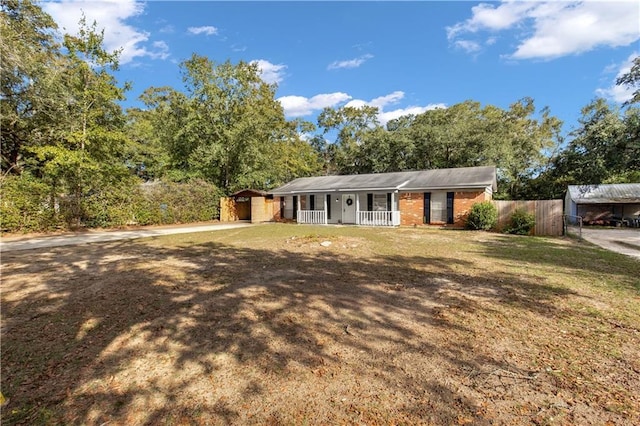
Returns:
<point x="328" y="206"/>
<point x="450" y="207"/>
<point x="426" y="218"/>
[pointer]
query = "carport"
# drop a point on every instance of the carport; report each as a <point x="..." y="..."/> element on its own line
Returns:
<point x="605" y="204"/>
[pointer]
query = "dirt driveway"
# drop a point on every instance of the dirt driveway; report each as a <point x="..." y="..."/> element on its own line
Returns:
<point x="72" y="239"/>
<point x="620" y="240"/>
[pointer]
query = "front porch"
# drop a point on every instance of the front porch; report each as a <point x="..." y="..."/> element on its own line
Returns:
<point x="364" y="218"/>
<point x="364" y="209"/>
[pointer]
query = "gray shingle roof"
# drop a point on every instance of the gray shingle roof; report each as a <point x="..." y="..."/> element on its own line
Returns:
<point x="605" y="193"/>
<point x="464" y="177"/>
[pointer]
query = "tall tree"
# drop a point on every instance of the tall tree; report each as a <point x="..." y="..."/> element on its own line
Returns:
<point x="84" y="151"/>
<point x="231" y="119"/>
<point x="351" y="126"/>
<point x="604" y="149"/>
<point x="30" y="62"/>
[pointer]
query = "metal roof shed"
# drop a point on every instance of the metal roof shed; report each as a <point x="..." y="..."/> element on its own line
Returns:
<point x="601" y="202"/>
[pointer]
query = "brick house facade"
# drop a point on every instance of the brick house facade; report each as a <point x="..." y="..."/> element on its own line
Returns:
<point x="428" y="197"/>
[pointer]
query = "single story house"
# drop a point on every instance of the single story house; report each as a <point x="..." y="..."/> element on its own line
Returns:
<point x="604" y="203"/>
<point x="438" y="197"/>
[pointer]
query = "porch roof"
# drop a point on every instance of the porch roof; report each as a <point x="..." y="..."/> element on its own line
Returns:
<point x="464" y="177"/>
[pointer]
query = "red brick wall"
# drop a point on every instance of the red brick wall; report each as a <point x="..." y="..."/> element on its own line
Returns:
<point x="462" y="202"/>
<point x="411" y="205"/>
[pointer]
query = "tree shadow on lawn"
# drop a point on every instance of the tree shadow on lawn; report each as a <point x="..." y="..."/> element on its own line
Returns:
<point x="127" y="332"/>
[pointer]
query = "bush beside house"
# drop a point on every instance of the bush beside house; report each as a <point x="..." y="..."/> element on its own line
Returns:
<point x="483" y="216"/>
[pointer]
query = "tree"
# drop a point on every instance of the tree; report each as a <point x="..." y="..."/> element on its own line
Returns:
<point x="83" y="152"/>
<point x="30" y="61"/>
<point x="632" y="79"/>
<point x="222" y="129"/>
<point x="604" y="149"/>
<point x="352" y="126"/>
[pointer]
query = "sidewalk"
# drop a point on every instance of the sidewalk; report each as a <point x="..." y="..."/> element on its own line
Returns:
<point x="15" y="244"/>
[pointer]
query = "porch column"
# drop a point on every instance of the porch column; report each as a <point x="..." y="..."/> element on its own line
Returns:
<point x="357" y="209"/>
<point x="324" y="203"/>
<point x="393" y="205"/>
<point x="298" y="208"/>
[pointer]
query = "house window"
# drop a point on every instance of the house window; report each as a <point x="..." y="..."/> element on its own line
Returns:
<point x="439" y="207"/>
<point x="380" y="203"/>
<point x="312" y="202"/>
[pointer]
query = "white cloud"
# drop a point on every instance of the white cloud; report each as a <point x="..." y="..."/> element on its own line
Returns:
<point x="161" y="50"/>
<point x="207" y="30"/>
<point x="551" y="29"/>
<point x="393" y="98"/>
<point x="270" y="73"/>
<point x="350" y="63"/>
<point x="620" y="93"/>
<point x="112" y="16"/>
<point x="167" y="29"/>
<point x="299" y="106"/>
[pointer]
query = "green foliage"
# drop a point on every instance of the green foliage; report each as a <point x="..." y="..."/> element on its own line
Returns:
<point x="605" y="149"/>
<point x="483" y="216"/>
<point x="632" y="80"/>
<point x="27" y="205"/>
<point x="521" y="223"/>
<point x="170" y="202"/>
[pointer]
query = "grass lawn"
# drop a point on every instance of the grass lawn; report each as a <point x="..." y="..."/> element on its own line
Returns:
<point x="272" y="325"/>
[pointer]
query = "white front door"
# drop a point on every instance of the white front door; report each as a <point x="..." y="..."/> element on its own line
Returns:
<point x="348" y="208"/>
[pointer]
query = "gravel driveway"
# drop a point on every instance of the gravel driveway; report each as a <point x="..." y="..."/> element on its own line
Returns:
<point x="621" y="240"/>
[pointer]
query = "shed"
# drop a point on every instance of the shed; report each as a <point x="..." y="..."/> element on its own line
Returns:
<point x="246" y="204"/>
<point x="603" y="203"/>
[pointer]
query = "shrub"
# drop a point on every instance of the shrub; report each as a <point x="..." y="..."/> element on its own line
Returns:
<point x="483" y="216"/>
<point x="521" y="223"/>
<point x="26" y="205"/>
<point x="171" y="202"/>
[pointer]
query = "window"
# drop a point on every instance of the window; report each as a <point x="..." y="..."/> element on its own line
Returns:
<point x="312" y="202"/>
<point x="380" y="203"/>
<point x="439" y="207"/>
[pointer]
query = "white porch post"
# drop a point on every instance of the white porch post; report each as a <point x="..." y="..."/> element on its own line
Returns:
<point x="393" y="205"/>
<point x="357" y="209"/>
<point x="298" y="208"/>
<point x="324" y="203"/>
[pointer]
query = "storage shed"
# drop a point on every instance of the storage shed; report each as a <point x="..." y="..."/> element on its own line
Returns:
<point x="247" y="205"/>
<point x="604" y="204"/>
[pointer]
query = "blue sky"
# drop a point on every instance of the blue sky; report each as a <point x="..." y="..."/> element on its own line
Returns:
<point x="403" y="57"/>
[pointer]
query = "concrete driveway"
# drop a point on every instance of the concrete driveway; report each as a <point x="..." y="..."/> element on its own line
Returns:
<point x="22" y="243"/>
<point x="621" y="240"/>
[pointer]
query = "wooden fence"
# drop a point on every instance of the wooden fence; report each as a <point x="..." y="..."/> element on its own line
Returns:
<point x="548" y="214"/>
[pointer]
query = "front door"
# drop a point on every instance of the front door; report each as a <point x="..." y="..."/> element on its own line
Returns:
<point x="348" y="208"/>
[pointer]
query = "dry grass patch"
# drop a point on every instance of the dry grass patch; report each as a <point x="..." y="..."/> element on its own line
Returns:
<point x="268" y="325"/>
